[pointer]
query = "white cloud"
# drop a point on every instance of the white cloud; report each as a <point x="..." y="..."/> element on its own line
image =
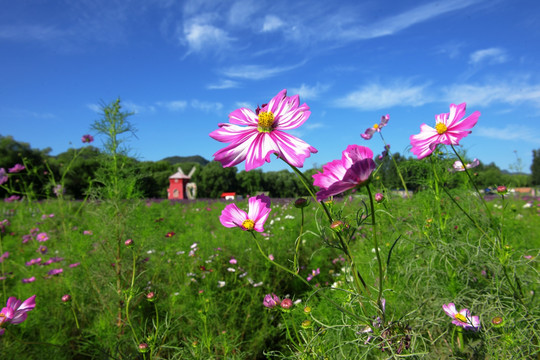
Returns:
<point x="175" y="105"/>
<point x="491" y="56"/>
<point x="202" y="37"/>
<point x="377" y="96"/>
<point x="223" y="84"/>
<point x="272" y="23"/>
<point x="257" y="72"/>
<point x="309" y="92"/>
<point x="510" y="132"/>
<point x="393" y="24"/>
<point x="206" y="106"/>
<point x="494" y="92"/>
<point x="243" y="104"/>
<point x="29" y="32"/>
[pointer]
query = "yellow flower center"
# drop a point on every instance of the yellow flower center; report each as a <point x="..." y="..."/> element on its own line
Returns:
<point x="266" y="120"/>
<point x="441" y="128"/>
<point x="376" y="126"/>
<point x="460" y="317"/>
<point x="248" y="224"/>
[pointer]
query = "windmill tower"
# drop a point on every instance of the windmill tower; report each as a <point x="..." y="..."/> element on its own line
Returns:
<point x="177" y="184"/>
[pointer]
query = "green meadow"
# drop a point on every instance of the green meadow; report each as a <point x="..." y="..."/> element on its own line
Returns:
<point x="206" y="305"/>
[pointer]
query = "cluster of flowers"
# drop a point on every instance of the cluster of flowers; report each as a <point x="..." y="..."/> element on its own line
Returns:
<point x="253" y="136"/>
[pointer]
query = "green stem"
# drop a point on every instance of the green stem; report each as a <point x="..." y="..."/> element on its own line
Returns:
<point x="376" y="243"/>
<point x="302" y="279"/>
<point x="395" y="165"/>
<point x="298" y="242"/>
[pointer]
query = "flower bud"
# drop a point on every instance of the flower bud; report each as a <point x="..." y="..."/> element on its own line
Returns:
<point x="336" y="225"/>
<point x="151" y="296"/>
<point x="306" y="324"/>
<point x="502" y="190"/>
<point x="66" y="298"/>
<point x="301" y="203"/>
<point x="129" y="243"/>
<point x="379" y="197"/>
<point x="286" y="304"/>
<point x="143" y="347"/>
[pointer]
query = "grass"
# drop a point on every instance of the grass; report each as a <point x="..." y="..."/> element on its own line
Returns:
<point x="209" y="307"/>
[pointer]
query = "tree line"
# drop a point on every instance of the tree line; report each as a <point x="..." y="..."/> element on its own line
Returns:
<point x="76" y="170"/>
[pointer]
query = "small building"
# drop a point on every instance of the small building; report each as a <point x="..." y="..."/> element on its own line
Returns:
<point x="228" y="195"/>
<point x="177" y="185"/>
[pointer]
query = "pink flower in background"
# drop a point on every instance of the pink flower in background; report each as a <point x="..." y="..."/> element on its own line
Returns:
<point x="254" y="136"/>
<point x="379" y="197"/>
<point x="74" y="265"/>
<point x="33" y="262"/>
<point x="17" y="168"/>
<point x="354" y="169"/>
<point x="458" y="165"/>
<point x="254" y="219"/>
<point x="88" y="232"/>
<point x="233" y="261"/>
<point x="55" y="272"/>
<point x="368" y="134"/>
<point x="29" y="280"/>
<point x="462" y="318"/>
<point x="449" y="129"/>
<point x="16" y="310"/>
<point x="4" y="256"/>
<point x="26" y="238"/>
<point x="3" y="176"/>
<point x="42" y="237"/>
<point x="12" y="198"/>
<point x="87" y="139"/>
<point x="313" y="274"/>
<point x="271" y="301"/>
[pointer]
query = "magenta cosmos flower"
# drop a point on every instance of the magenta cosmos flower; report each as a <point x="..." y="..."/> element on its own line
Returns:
<point x="16" y="310"/>
<point x="449" y="129"/>
<point x="462" y="318"/>
<point x="87" y="139"/>
<point x="254" y="136"/>
<point x="17" y="168"/>
<point x="368" y="134"/>
<point x="254" y="219"/>
<point x="354" y="169"/>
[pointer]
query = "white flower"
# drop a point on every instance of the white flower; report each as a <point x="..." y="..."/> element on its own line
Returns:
<point x="221" y="284"/>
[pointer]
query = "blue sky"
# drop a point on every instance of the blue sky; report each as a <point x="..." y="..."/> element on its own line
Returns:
<point x="183" y="66"/>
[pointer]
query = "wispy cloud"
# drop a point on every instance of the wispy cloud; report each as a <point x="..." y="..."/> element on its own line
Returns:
<point x="206" y="106"/>
<point x="272" y="23"/>
<point x="175" y="105"/>
<point x="491" y="56"/>
<point x="310" y="92"/>
<point x="257" y="72"/>
<point x="377" y="96"/>
<point x="223" y="84"/>
<point x="510" y="132"/>
<point x="29" y="32"/>
<point x="491" y="92"/>
<point x="203" y="37"/>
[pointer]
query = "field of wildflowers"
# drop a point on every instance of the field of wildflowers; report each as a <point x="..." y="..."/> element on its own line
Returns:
<point x="352" y="272"/>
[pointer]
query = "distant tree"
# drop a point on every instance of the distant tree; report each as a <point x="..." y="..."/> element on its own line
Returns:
<point x="535" y="168"/>
<point x="81" y="172"/>
<point x="250" y="182"/>
<point x="35" y="176"/>
<point x="214" y="179"/>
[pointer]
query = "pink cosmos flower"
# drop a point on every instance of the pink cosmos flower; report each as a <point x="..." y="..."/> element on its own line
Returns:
<point x="16" y="310"/>
<point x="379" y="197"/>
<point x="262" y="134"/>
<point x="354" y="169"/>
<point x="87" y="139"/>
<point x="449" y="129"/>
<point x="42" y="237"/>
<point x="458" y="165"/>
<point x="12" y="198"/>
<point x="4" y="256"/>
<point x="29" y="280"/>
<point x="271" y="301"/>
<point x="462" y="318"/>
<point x="16" y="168"/>
<point x="55" y="272"/>
<point x="368" y="134"/>
<point x="254" y="219"/>
<point x="3" y="176"/>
